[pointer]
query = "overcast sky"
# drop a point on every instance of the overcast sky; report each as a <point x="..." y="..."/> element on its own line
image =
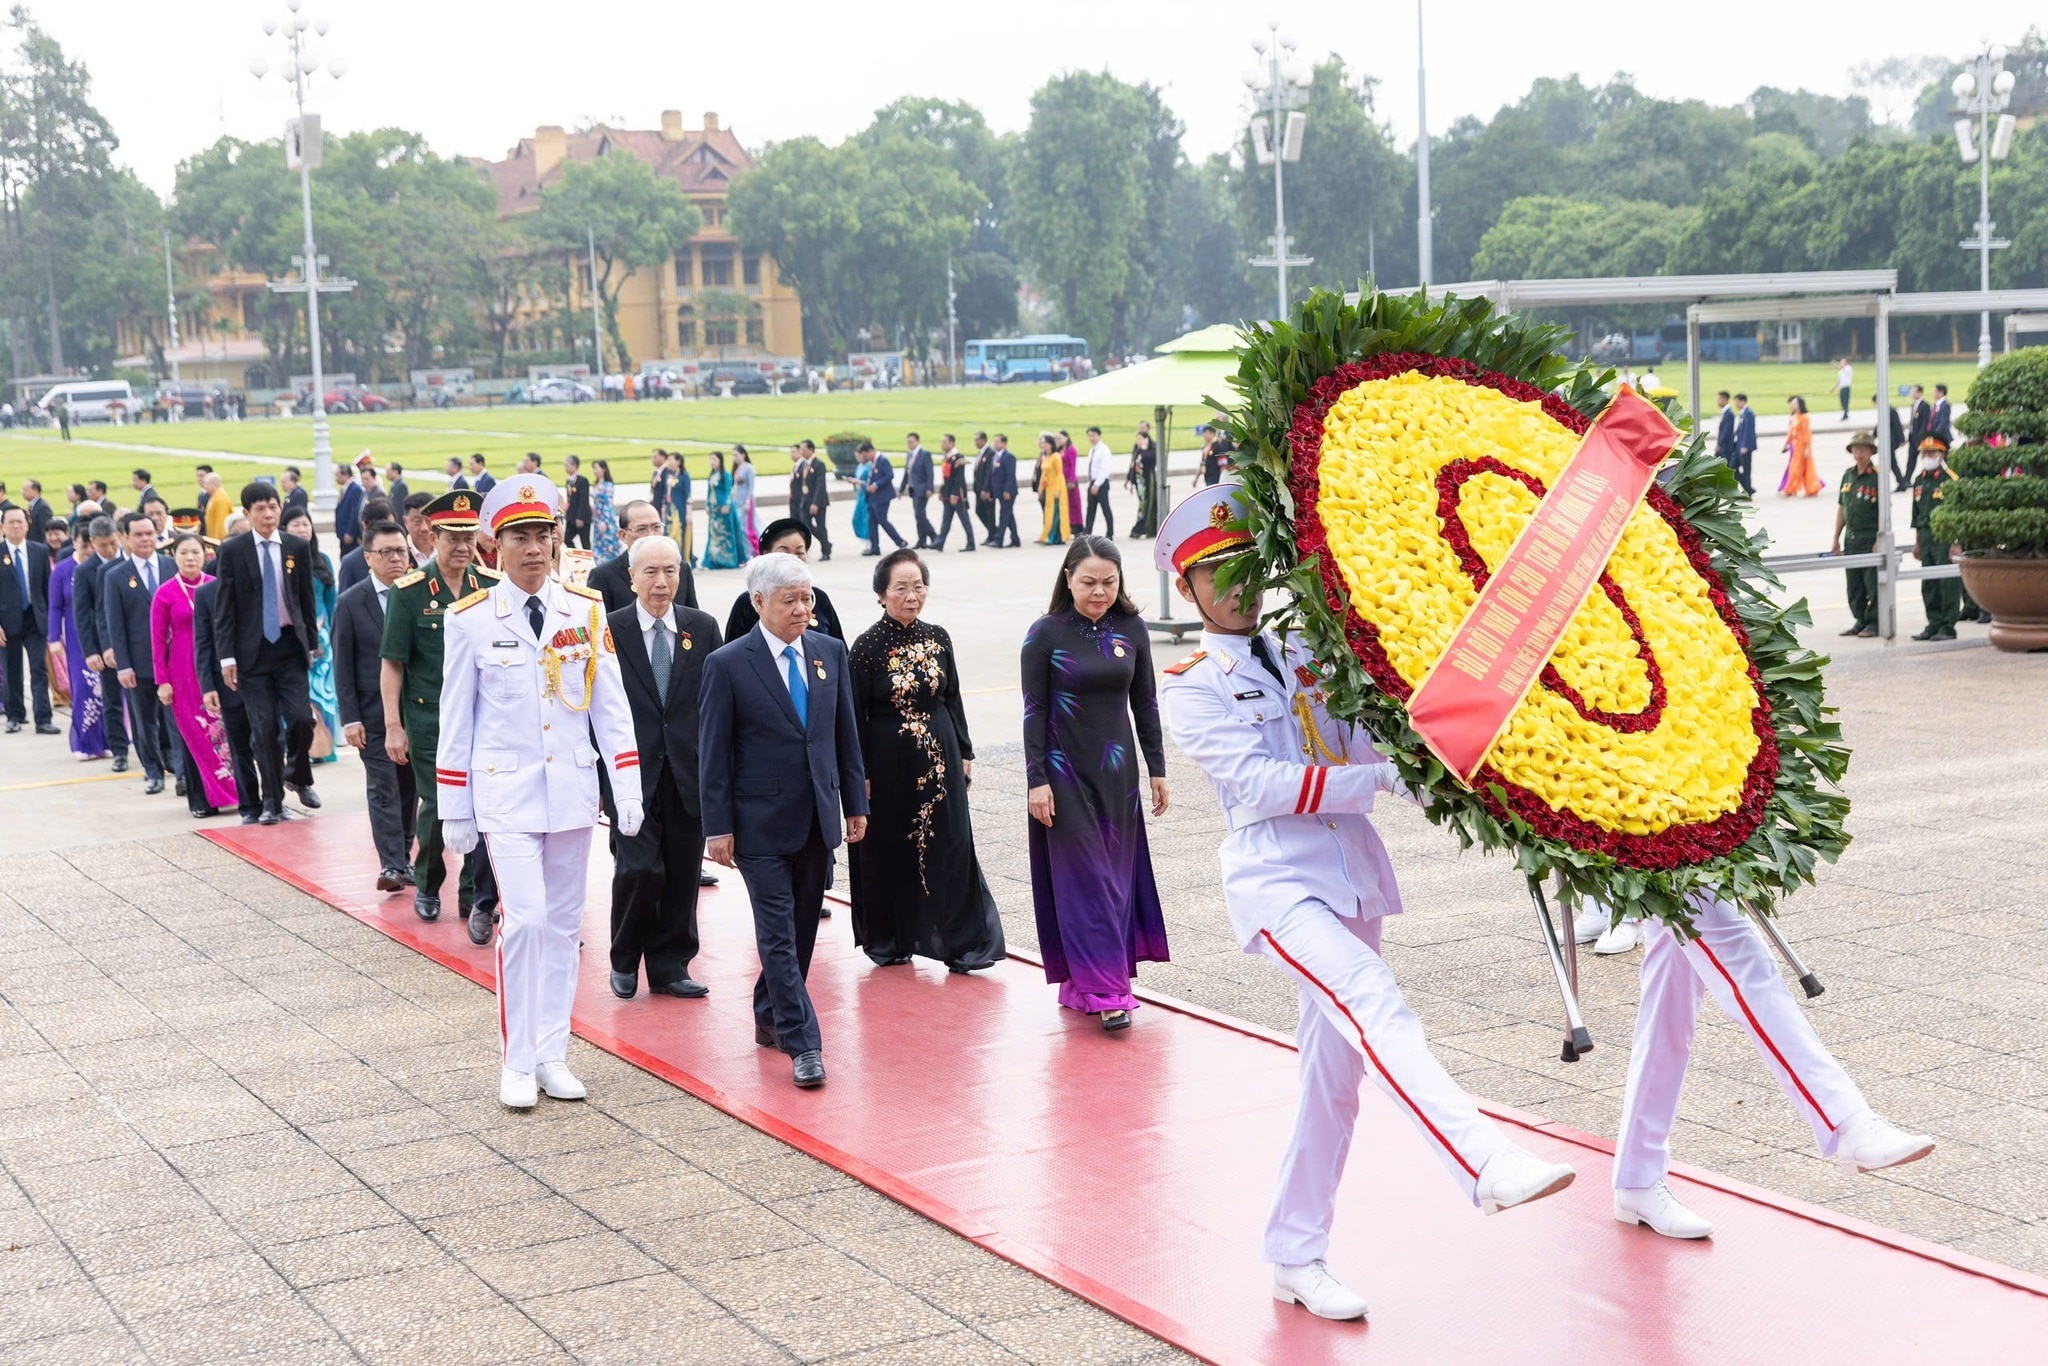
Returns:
<point x="476" y="77"/>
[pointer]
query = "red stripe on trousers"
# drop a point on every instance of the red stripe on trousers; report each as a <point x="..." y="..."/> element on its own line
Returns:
<point x="1415" y="1109"/>
<point x="1757" y="1026"/>
<point x="504" y="1037"/>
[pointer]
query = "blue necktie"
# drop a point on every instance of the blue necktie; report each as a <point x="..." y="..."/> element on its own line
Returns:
<point x="272" y="629"/>
<point x="799" y="695"/>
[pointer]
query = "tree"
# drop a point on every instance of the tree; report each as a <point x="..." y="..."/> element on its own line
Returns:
<point x="797" y="207"/>
<point x="1079" y="215"/>
<point x="54" y="152"/>
<point x="1552" y="237"/>
<point x="638" y="220"/>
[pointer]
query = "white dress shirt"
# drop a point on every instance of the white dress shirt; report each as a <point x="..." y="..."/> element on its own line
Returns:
<point x="284" y="616"/>
<point x="776" y="647"/>
<point x="647" y="621"/>
<point x="1098" y="464"/>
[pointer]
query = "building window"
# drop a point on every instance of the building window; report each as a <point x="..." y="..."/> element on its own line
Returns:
<point x="721" y="332"/>
<point x="755" y="335"/>
<point x="682" y="270"/>
<point x="750" y="269"/>
<point x="686" y="330"/>
<point x="717" y="263"/>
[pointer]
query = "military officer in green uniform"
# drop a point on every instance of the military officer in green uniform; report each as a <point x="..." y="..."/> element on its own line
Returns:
<point x="1943" y="598"/>
<point x="411" y="652"/>
<point x="1855" y="515"/>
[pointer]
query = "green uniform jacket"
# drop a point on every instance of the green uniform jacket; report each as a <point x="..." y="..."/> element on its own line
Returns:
<point x="1858" y="500"/>
<point x="412" y="637"/>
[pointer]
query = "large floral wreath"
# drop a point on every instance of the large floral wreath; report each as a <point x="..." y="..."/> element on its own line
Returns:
<point x="1678" y="739"/>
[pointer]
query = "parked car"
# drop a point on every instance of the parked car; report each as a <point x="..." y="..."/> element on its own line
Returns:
<point x="1612" y="348"/>
<point x="746" y="381"/>
<point x="558" y="389"/>
<point x="90" y="400"/>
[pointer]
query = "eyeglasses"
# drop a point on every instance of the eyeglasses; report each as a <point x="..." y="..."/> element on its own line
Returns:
<point x="393" y="550"/>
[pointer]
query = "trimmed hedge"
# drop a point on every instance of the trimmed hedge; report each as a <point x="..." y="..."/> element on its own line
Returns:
<point x="1998" y="502"/>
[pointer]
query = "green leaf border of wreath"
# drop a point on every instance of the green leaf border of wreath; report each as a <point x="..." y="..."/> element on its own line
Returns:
<point x="1804" y="820"/>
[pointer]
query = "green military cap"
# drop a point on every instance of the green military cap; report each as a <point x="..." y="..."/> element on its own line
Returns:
<point x="1867" y="440"/>
<point x="455" y="510"/>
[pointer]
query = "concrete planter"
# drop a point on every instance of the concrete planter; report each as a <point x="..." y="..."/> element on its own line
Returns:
<point x="2015" y="593"/>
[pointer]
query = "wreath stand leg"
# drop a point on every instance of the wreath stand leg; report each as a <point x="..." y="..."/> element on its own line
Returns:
<point x="1808" y="982"/>
<point x="1564" y="963"/>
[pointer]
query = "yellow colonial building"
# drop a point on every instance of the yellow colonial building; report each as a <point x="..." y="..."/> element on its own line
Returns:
<point x="712" y="301"/>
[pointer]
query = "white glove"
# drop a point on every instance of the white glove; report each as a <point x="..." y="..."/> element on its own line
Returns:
<point x="631" y="812"/>
<point x="459" y="835"/>
<point x="1386" y="778"/>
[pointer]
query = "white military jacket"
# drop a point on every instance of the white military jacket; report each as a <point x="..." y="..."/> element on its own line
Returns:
<point x="517" y="713"/>
<point x="1295" y="785"/>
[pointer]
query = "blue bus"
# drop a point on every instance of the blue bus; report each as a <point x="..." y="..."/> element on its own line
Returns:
<point x="1005" y="360"/>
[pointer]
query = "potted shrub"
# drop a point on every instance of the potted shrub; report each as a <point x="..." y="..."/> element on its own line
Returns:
<point x="841" y="447"/>
<point x="1996" y="510"/>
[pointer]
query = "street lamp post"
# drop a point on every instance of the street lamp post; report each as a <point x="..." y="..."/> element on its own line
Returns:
<point x="1984" y="90"/>
<point x="1423" y="251"/>
<point x="302" y="153"/>
<point x="1276" y="140"/>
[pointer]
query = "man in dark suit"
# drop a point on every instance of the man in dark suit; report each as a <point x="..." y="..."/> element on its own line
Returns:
<point x="25" y="620"/>
<point x="953" y="497"/>
<point x="1724" y="431"/>
<point x="456" y="478"/>
<point x="126" y="587"/>
<point x="85" y="592"/>
<point x="576" y="500"/>
<point x="395" y="491"/>
<point x="662" y="648"/>
<point x="1002" y="485"/>
<point x="264" y="616"/>
<point x="818" y="499"/>
<point x="917" y="482"/>
<point x="1916" y="432"/>
<point x="144" y="490"/>
<point x="348" y="510"/>
<point x="295" y="495"/>
<point x="614" y="578"/>
<point x="358" y="636"/>
<point x="40" y="513"/>
<point x="978" y="483"/>
<point x="354" y="566"/>
<point x="480" y="479"/>
<point x="1898" y="438"/>
<point x="1938" y="420"/>
<point x="226" y="704"/>
<point x="881" y="491"/>
<point x="1745" y="442"/>
<point x="780" y="760"/>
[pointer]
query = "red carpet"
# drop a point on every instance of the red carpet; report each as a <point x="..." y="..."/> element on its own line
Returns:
<point x="1134" y="1170"/>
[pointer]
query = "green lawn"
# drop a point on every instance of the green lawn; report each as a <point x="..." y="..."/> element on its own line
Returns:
<point x="623" y="433"/>
<point x="1769" y="385"/>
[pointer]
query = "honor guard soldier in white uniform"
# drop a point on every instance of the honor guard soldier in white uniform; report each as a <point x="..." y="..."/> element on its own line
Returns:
<point x="529" y="675"/>
<point x="1307" y="880"/>
<point x="1731" y="961"/>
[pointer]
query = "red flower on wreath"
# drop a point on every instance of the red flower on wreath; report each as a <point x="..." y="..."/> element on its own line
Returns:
<point x="1674" y="847"/>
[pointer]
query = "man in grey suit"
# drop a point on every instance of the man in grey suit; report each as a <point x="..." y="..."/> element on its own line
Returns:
<point x="358" y="685"/>
<point x="85" y="592"/>
<point x="780" y="759"/>
<point x="126" y="587"/>
<point x="917" y="482"/>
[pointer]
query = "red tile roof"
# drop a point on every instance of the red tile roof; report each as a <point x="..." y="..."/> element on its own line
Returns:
<point x="701" y="162"/>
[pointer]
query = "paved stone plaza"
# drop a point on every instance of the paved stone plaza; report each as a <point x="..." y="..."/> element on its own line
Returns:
<point x="240" y="1123"/>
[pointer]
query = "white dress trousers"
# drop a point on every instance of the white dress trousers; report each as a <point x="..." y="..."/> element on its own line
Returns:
<point x="540" y="905"/>
<point x="1731" y="960"/>
<point x="1354" y="1016"/>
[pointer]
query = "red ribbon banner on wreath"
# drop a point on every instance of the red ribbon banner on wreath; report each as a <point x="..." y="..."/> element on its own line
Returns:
<point x="1464" y="702"/>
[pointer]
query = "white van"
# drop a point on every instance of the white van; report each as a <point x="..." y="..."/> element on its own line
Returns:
<point x="88" y="398"/>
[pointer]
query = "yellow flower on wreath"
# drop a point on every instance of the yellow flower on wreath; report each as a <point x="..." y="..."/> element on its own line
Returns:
<point x="1384" y="443"/>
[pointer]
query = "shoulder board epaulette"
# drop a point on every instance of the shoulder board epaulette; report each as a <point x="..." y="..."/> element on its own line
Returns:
<point x="1182" y="666"/>
<point x="464" y="604"/>
<point x="484" y="571"/>
<point x="408" y="580"/>
<point x="580" y="591"/>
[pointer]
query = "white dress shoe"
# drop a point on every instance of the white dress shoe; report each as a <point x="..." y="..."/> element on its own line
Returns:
<point x="1316" y="1290"/>
<point x="559" y="1082"/>
<point x="1621" y="939"/>
<point x="516" y="1090"/>
<point x="1515" y="1177"/>
<point x="1590" y="923"/>
<point x="1871" y="1143"/>
<point x="1657" y="1207"/>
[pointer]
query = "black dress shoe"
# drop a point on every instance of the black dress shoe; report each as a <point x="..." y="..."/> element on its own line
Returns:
<point x="426" y="907"/>
<point x="152" y="786"/>
<point x="624" y="984"/>
<point x="120" y="763"/>
<point x="45" y="728"/>
<point x="765" y="1037"/>
<point x="269" y="816"/>
<point x="824" y="912"/>
<point x="809" y="1069"/>
<point x="683" y="986"/>
<point x="308" y="798"/>
<point x="388" y="880"/>
<point x="180" y="785"/>
<point x="251" y="817"/>
<point x="204" y="812"/>
<point x="405" y="875"/>
<point x="1116" y="1021"/>
<point x="480" y="923"/>
<point x="706" y="880"/>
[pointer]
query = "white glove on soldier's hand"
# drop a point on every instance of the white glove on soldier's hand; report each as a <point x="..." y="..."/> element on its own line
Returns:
<point x="1386" y="778"/>
<point x="459" y="835"/>
<point x="631" y="812"/>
